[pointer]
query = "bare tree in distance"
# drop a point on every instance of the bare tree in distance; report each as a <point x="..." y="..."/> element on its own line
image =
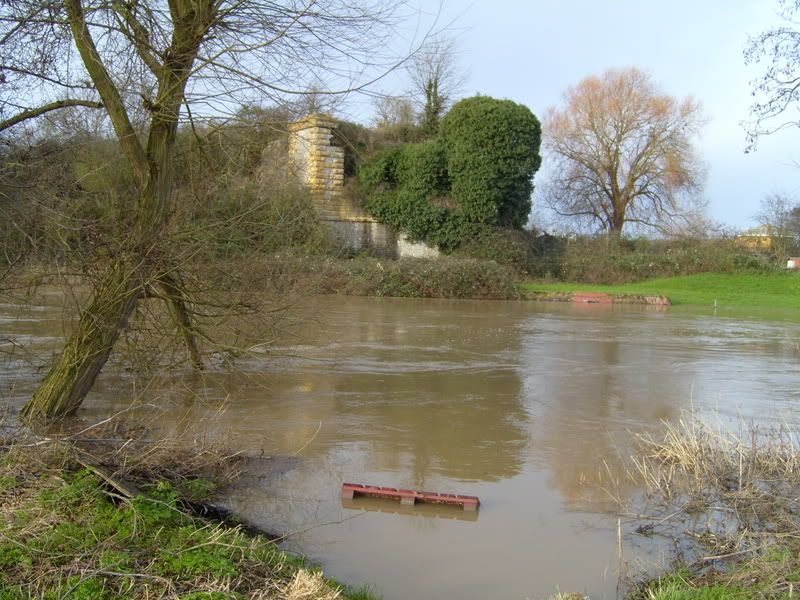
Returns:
<point x="169" y="60"/>
<point x="436" y="80"/>
<point x="395" y="119"/>
<point x="621" y="152"/>
<point x="777" y="90"/>
<point x="781" y="213"/>
<point x="393" y="111"/>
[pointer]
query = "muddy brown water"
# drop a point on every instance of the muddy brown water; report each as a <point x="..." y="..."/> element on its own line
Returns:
<point x="531" y="407"/>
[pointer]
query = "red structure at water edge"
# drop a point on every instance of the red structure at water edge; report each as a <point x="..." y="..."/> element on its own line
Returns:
<point x="411" y="497"/>
<point x="591" y="298"/>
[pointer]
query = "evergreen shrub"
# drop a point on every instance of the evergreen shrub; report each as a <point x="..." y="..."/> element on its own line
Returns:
<point x="475" y="175"/>
<point x="492" y="155"/>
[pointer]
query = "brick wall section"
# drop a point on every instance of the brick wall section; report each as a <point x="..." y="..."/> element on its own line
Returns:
<point x="320" y="166"/>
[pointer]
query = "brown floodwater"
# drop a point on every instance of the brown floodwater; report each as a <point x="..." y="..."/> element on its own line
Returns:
<point x="532" y="407"/>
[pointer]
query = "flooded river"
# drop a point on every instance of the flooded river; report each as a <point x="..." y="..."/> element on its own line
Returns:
<point x="531" y="407"/>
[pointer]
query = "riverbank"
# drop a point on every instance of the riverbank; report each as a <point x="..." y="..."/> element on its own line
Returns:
<point x="456" y="278"/>
<point x="460" y="278"/>
<point x="309" y="275"/>
<point x="71" y="528"/>
<point x="774" y="573"/>
<point x="780" y="290"/>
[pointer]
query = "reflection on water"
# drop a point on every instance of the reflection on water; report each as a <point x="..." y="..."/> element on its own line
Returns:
<point x="417" y="511"/>
<point x="530" y="407"/>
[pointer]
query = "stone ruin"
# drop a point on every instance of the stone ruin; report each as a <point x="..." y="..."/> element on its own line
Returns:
<point x="318" y="163"/>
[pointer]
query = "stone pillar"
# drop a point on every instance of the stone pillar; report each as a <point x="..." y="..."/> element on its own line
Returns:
<point x="317" y="163"/>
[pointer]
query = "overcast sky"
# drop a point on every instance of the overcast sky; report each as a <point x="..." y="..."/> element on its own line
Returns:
<point x="531" y="51"/>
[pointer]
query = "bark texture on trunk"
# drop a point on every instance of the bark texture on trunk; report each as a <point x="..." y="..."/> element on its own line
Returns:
<point x="138" y="263"/>
<point x="87" y="349"/>
<point x="178" y="304"/>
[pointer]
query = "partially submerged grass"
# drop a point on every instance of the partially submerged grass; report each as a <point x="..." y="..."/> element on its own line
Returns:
<point x="732" y="500"/>
<point x="774" y="290"/>
<point x="695" y="457"/>
<point x="67" y="530"/>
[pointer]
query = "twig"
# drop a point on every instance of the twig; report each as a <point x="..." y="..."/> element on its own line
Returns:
<point x="732" y="554"/>
<point x="317" y="526"/>
<point x="111" y="418"/>
<point x="619" y="557"/>
<point x="313" y="437"/>
<point x="140" y="575"/>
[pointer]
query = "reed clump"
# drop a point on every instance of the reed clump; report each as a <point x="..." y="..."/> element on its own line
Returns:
<point x="695" y="457"/>
<point x="730" y="499"/>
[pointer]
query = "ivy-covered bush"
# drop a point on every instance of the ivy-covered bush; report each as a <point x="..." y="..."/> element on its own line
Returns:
<point x="423" y="168"/>
<point x="380" y="172"/>
<point x="476" y="174"/>
<point x="492" y="155"/>
<point x="412" y="212"/>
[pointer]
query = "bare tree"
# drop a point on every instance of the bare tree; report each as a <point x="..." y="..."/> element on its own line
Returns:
<point x="781" y="213"/>
<point x="395" y="120"/>
<point x="622" y="152"/>
<point x="393" y="111"/>
<point x="777" y="89"/>
<point x="171" y="60"/>
<point x="436" y="80"/>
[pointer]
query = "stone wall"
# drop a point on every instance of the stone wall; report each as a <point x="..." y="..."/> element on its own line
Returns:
<point x="407" y="248"/>
<point x="372" y="236"/>
<point x="319" y="165"/>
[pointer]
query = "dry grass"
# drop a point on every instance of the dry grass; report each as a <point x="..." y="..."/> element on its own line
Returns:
<point x="137" y="451"/>
<point x="103" y="511"/>
<point x="308" y="585"/>
<point x="699" y="454"/>
<point x="730" y="499"/>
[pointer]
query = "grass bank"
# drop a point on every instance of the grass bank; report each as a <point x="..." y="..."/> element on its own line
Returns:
<point x="780" y="290"/>
<point x="773" y="574"/>
<point x="67" y="531"/>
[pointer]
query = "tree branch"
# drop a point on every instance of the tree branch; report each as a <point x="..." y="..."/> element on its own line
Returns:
<point x="140" y="37"/>
<point x="43" y="77"/>
<point x="41" y="110"/>
<point x="107" y="89"/>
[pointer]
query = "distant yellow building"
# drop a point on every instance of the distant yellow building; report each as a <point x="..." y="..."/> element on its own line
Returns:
<point x="763" y="237"/>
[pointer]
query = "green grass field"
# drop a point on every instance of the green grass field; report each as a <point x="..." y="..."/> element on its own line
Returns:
<point x="781" y="290"/>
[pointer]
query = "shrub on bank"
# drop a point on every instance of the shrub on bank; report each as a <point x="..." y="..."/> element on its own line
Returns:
<point x="367" y="276"/>
<point x="508" y="247"/>
<point x="245" y="218"/>
<point x="478" y="173"/>
<point x="600" y="260"/>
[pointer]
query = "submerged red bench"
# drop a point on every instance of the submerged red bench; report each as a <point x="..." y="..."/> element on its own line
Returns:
<point x="591" y="298"/>
<point x="351" y="490"/>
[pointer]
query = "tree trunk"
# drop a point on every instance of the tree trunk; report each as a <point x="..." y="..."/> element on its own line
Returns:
<point x="617" y="223"/>
<point x="114" y="298"/>
<point x="178" y="305"/>
<point x="90" y="345"/>
<point x="88" y="348"/>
